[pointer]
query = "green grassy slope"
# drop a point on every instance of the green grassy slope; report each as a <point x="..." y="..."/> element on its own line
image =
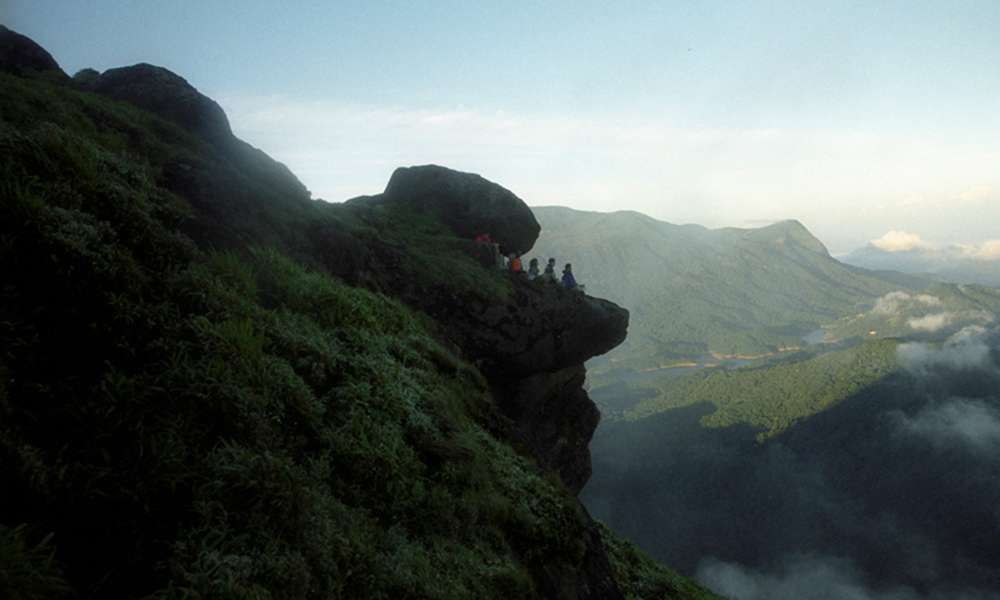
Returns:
<point x="183" y="421"/>
<point x="642" y="578"/>
<point x="772" y="397"/>
<point x="693" y="290"/>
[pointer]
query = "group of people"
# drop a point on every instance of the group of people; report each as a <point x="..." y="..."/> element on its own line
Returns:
<point x="512" y="263"/>
<point x="548" y="274"/>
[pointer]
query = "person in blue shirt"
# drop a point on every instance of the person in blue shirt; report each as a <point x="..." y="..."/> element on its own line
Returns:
<point x="568" y="281"/>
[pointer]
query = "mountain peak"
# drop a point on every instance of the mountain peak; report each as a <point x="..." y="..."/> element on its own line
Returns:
<point x="790" y="231"/>
<point x="168" y="95"/>
<point x="22" y="56"/>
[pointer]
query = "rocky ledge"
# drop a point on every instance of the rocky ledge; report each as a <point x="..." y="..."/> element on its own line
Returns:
<point x="530" y="344"/>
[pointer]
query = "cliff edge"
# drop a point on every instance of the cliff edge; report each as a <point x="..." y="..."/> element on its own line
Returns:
<point x="529" y="338"/>
<point x="213" y="386"/>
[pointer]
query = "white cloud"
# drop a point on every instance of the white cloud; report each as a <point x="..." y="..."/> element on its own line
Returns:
<point x="965" y="350"/>
<point x="928" y="299"/>
<point x="932" y="322"/>
<point x="986" y="251"/>
<point x="891" y="303"/>
<point x="976" y="194"/>
<point x="899" y="241"/>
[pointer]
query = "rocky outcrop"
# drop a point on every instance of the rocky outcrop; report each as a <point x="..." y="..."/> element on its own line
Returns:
<point x="542" y="328"/>
<point x="170" y="96"/>
<point x="532" y="349"/>
<point x="530" y="344"/>
<point x="164" y="93"/>
<point x="555" y="419"/>
<point x="467" y="203"/>
<point x="21" y="56"/>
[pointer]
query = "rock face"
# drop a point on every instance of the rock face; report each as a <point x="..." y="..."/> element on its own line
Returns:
<point x="21" y="56"/>
<point x="532" y="350"/>
<point x="530" y="345"/>
<point x="164" y="93"/>
<point x="544" y="328"/>
<point x="467" y="203"/>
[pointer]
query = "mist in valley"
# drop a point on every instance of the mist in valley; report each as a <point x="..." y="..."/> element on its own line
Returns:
<point x="892" y="493"/>
<point x="793" y="206"/>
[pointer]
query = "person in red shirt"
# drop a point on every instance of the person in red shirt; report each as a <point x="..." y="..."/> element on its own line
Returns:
<point x="515" y="263"/>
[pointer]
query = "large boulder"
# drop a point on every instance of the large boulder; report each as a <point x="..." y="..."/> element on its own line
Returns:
<point x="168" y="95"/>
<point x="467" y="203"/>
<point x="22" y="56"/>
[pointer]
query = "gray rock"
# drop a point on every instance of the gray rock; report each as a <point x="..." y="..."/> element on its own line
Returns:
<point x="467" y="203"/>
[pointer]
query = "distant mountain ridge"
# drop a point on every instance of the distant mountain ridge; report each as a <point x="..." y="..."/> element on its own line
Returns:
<point x="694" y="290"/>
<point x="950" y="264"/>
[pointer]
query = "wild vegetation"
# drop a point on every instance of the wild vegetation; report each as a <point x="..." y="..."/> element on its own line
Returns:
<point x="772" y="397"/>
<point x="192" y="405"/>
<point x="893" y="480"/>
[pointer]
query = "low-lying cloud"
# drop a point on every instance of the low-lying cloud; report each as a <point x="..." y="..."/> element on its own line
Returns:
<point x="932" y="322"/>
<point x="985" y="251"/>
<point x="889" y="494"/>
<point x="970" y="423"/>
<point x="937" y="321"/>
<point x="894" y="303"/>
<point x="813" y="578"/>
<point x="899" y="241"/>
<point x="967" y="349"/>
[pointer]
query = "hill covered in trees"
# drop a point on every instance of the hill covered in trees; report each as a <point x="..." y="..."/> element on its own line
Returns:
<point x="213" y="386"/>
<point x="693" y="291"/>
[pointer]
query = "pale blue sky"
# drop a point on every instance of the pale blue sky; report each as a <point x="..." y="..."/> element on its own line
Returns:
<point x="855" y="117"/>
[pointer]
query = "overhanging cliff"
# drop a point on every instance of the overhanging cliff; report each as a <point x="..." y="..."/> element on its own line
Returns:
<point x="212" y="385"/>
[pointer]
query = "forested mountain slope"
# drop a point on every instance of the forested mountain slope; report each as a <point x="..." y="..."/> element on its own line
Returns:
<point x="213" y="386"/>
<point x="693" y="291"/>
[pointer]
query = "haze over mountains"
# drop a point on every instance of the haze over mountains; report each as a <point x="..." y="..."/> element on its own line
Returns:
<point x="211" y="385"/>
<point x="786" y="425"/>
<point x="693" y="291"/>
<point x="906" y="252"/>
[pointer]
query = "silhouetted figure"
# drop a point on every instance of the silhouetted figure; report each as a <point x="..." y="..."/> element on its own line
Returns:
<point x="493" y="249"/>
<point x="515" y="263"/>
<point x="550" y="271"/>
<point x="568" y="281"/>
<point x="533" y="271"/>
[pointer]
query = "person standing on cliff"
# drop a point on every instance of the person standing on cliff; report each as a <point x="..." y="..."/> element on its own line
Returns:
<point x="568" y="281"/>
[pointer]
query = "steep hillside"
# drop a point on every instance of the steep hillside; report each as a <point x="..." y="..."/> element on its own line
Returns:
<point x="694" y="291"/>
<point x="212" y="386"/>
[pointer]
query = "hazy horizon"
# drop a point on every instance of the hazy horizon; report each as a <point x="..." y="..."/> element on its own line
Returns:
<point x="856" y="120"/>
